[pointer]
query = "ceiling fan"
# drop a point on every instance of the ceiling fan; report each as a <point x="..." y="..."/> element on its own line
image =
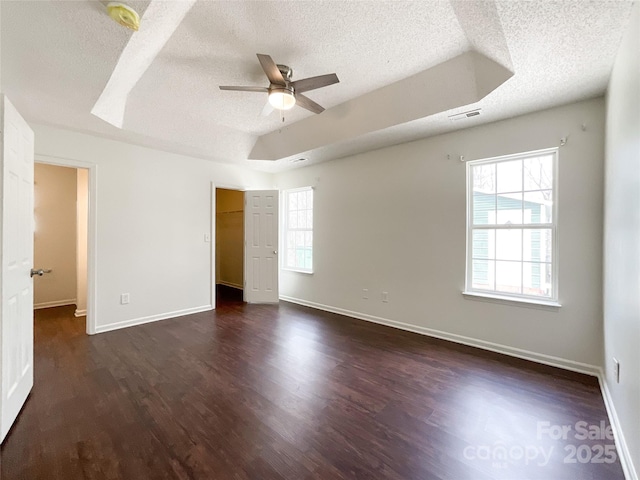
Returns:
<point x="284" y="93"/>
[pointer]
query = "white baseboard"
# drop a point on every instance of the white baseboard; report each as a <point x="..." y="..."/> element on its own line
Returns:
<point x="452" y="337"/>
<point x="56" y="303"/>
<point x="152" y="318"/>
<point x="630" y="472"/>
<point x="229" y="284"/>
<point x="80" y="313"/>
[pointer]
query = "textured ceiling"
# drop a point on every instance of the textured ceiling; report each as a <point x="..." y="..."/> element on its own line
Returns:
<point x="58" y="56"/>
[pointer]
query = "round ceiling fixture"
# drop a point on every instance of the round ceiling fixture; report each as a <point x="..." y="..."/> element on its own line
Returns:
<point x="282" y="98"/>
<point x="124" y="15"/>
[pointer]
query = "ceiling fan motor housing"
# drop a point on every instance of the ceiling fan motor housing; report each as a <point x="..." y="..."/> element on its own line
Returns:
<point x="287" y="72"/>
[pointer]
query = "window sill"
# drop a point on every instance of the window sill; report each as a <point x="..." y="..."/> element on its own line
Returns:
<point x="505" y="300"/>
<point x="307" y="272"/>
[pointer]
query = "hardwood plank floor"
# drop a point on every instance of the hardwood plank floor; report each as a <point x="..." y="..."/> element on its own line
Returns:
<point x="286" y="392"/>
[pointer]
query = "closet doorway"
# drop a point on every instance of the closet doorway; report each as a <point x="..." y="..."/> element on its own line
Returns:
<point x="229" y="232"/>
<point x="61" y="201"/>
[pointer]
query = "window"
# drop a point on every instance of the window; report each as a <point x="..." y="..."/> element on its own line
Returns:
<point x="511" y="227"/>
<point x="298" y="229"/>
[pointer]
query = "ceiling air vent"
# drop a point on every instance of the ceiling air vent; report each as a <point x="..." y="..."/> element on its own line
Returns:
<point x="464" y="115"/>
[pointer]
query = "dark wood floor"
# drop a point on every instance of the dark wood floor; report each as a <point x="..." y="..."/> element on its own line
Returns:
<point x="286" y="392"/>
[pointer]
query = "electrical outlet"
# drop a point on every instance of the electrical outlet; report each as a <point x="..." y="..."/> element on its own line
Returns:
<point x="616" y="370"/>
<point x="365" y="293"/>
<point x="385" y="297"/>
<point x="124" y="299"/>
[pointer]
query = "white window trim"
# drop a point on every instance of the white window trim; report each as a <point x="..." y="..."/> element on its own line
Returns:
<point x="285" y="222"/>
<point x="504" y="297"/>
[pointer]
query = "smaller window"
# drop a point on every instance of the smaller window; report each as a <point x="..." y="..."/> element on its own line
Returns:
<point x="298" y="229"/>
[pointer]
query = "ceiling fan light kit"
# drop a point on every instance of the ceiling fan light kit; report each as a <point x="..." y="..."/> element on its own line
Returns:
<point x="284" y="93"/>
<point x="282" y="98"/>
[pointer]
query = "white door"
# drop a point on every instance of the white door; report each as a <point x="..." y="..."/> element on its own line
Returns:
<point x="16" y="249"/>
<point x="261" y="246"/>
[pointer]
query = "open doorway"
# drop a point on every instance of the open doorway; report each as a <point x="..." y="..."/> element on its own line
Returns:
<point x="61" y="202"/>
<point x="229" y="233"/>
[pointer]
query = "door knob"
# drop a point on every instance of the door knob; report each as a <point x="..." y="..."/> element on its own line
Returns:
<point x="40" y="272"/>
<point x="275" y="252"/>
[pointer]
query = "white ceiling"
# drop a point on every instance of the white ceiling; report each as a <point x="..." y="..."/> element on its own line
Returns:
<point x="57" y="57"/>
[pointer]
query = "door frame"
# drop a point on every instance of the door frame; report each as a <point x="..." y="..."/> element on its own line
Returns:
<point x="212" y="274"/>
<point x="92" y="228"/>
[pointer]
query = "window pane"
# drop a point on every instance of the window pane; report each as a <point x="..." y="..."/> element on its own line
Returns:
<point x="509" y="244"/>
<point x="538" y="207"/>
<point x="484" y="208"/>
<point x="484" y="244"/>
<point x="509" y="277"/>
<point x="537" y="279"/>
<point x="308" y="258"/>
<point x="482" y="274"/>
<point x="484" y="178"/>
<point x="538" y="173"/>
<point x="509" y="176"/>
<point x="537" y="245"/>
<point x="299" y="234"/>
<point x="509" y="209"/>
<point x="514" y="193"/>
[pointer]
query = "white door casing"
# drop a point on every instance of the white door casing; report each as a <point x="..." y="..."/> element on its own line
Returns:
<point x="16" y="250"/>
<point x="261" y="246"/>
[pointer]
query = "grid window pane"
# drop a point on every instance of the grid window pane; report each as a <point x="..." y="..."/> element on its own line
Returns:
<point x="484" y="244"/>
<point x="509" y="209"/>
<point x="509" y="277"/>
<point x="483" y="275"/>
<point x="537" y="245"/>
<point x="299" y="229"/>
<point x="512" y="249"/>
<point x="509" y="176"/>
<point x="484" y="178"/>
<point x="537" y="279"/>
<point x="509" y="244"/>
<point x="538" y="173"/>
<point x="484" y="208"/>
<point x="538" y="206"/>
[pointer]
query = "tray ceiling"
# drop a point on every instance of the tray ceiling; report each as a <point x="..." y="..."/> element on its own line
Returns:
<point x="58" y="57"/>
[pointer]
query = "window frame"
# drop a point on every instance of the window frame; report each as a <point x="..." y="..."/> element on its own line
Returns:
<point x="285" y="229"/>
<point x="470" y="228"/>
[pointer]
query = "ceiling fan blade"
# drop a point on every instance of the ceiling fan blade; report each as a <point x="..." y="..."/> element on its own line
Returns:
<point x="271" y="69"/>
<point x="312" y="83"/>
<point x="267" y="110"/>
<point x="306" y="102"/>
<point x="245" y="89"/>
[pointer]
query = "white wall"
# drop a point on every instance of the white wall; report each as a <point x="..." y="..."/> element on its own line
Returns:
<point x="622" y="240"/>
<point x="394" y="220"/>
<point x="153" y="209"/>
<point x="55" y="235"/>
<point x="82" y="212"/>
